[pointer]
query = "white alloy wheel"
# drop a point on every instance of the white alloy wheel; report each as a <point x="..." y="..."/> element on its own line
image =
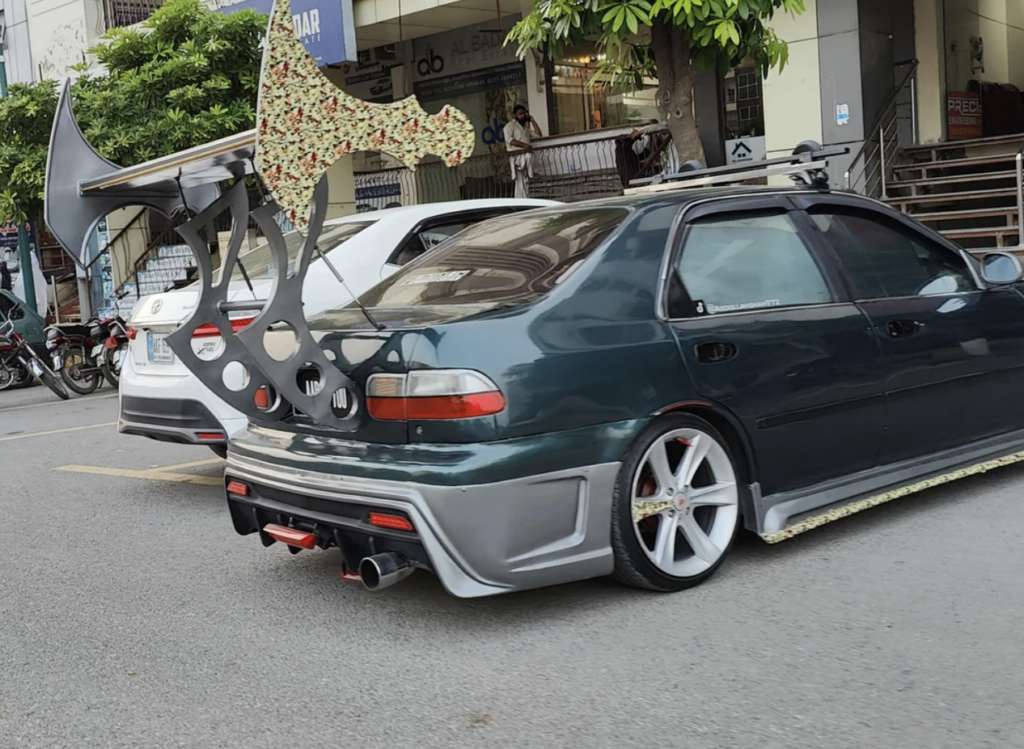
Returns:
<point x="685" y="502"/>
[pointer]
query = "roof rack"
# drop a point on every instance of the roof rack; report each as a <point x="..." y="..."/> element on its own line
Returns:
<point x="807" y="166"/>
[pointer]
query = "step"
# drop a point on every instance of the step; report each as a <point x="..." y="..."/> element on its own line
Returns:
<point x="170" y="263"/>
<point x="991" y="231"/>
<point x="174" y="250"/>
<point x="950" y="145"/>
<point x="953" y="179"/>
<point x="952" y="197"/>
<point x="968" y="214"/>
<point x="955" y="163"/>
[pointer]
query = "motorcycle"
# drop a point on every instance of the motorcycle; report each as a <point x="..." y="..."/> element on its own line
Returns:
<point x="71" y="348"/>
<point x="18" y="361"/>
<point x="110" y="347"/>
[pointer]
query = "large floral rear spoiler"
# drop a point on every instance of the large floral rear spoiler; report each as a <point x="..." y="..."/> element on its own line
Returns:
<point x="304" y="125"/>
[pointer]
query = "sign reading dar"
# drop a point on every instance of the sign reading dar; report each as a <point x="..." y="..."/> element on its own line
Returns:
<point x="326" y="27"/>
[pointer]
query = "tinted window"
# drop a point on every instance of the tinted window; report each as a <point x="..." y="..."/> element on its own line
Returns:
<point x="259" y="263"/>
<point x="507" y="259"/>
<point x="743" y="263"/>
<point x="427" y="239"/>
<point x="884" y="260"/>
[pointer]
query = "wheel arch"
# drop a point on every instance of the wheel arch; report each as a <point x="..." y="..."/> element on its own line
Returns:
<point x="736" y="438"/>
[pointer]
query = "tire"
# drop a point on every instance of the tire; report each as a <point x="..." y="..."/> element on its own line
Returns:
<point x="53" y="382"/>
<point x="82" y="384"/>
<point x="651" y="517"/>
<point x="6" y="377"/>
<point x="22" y="377"/>
<point x="111" y="371"/>
<point x="220" y="450"/>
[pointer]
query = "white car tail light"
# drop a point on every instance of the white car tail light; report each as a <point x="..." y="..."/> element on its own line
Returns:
<point x="428" y="394"/>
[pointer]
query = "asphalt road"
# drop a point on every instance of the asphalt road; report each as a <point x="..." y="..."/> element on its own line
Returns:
<point x="131" y="615"/>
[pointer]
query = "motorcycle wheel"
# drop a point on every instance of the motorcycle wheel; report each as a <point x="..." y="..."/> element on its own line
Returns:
<point x="111" y="365"/>
<point x="22" y="377"/>
<point x="6" y="377"/>
<point x="73" y="358"/>
<point x="51" y="381"/>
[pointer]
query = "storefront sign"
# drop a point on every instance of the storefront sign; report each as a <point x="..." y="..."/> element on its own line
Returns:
<point x="465" y="61"/>
<point x="963" y="115"/>
<point x="743" y="150"/>
<point x="369" y="79"/>
<point x="326" y="27"/>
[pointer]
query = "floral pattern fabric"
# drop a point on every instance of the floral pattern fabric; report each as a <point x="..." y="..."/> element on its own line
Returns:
<point x="305" y="123"/>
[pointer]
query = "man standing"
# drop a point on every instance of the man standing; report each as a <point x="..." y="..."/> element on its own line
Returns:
<point x="518" y="137"/>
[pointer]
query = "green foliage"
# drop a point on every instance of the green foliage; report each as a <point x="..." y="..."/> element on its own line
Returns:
<point x="728" y="31"/>
<point x="188" y="76"/>
<point x="26" y="117"/>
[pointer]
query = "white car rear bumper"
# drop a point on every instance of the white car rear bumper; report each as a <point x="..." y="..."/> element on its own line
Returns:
<point x="173" y="409"/>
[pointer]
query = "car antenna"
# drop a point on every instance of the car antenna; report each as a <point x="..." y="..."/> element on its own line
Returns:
<point x="341" y="280"/>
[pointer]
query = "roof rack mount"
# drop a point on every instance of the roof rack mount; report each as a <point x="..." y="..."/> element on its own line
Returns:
<point x="807" y="165"/>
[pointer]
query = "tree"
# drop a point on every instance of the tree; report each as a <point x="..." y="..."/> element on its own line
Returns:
<point x="188" y="76"/>
<point x="667" y="39"/>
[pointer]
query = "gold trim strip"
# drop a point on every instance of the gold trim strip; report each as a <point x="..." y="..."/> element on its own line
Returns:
<point x="845" y="511"/>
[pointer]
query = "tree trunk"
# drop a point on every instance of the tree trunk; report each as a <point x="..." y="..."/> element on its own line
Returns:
<point x="676" y="76"/>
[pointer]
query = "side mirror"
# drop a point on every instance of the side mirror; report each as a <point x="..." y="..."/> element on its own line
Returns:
<point x="1001" y="269"/>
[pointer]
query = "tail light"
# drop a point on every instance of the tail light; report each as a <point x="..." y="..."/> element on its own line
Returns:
<point x="431" y="394"/>
<point x="132" y="332"/>
<point x="111" y="343"/>
<point x="208" y="331"/>
<point x="394" y="522"/>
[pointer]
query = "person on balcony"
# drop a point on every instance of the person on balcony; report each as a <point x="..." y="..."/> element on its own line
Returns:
<point x="518" y="142"/>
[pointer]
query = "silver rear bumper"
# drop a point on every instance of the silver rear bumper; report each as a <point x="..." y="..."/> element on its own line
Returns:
<point x="484" y="539"/>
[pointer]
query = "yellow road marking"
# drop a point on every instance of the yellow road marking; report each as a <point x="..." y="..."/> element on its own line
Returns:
<point x="193" y="464"/>
<point x="152" y="474"/>
<point x="56" y="431"/>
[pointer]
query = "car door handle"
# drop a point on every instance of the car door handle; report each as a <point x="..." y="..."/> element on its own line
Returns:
<point x="902" y="328"/>
<point x="715" y="351"/>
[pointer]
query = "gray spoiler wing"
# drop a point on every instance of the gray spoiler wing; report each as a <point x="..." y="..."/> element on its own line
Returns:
<point x="82" y="187"/>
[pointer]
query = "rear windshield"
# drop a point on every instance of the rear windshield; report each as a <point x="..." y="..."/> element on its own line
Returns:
<point x="508" y="259"/>
<point x="259" y="263"/>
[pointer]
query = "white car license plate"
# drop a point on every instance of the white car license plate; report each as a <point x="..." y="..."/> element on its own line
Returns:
<point x="158" y="350"/>
<point x="97" y="350"/>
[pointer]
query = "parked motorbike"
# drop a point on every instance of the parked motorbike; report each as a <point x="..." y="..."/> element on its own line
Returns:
<point x="110" y="346"/>
<point x="71" y="348"/>
<point x="18" y="361"/>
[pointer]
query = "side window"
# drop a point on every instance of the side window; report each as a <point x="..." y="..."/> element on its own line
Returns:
<point x="430" y="237"/>
<point x="744" y="262"/>
<point x="882" y="260"/>
<point x="6" y="305"/>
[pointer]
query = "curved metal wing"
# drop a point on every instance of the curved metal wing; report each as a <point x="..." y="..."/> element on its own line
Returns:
<point x="73" y="215"/>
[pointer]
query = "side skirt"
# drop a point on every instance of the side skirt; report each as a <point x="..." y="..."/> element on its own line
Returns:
<point x="780" y="517"/>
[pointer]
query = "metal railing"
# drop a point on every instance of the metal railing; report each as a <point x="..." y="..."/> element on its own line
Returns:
<point x="567" y="172"/>
<point x="868" y="173"/>
<point x="120" y="13"/>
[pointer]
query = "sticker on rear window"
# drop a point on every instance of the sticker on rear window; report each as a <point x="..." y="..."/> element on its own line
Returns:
<point x="445" y="277"/>
<point x="715" y="309"/>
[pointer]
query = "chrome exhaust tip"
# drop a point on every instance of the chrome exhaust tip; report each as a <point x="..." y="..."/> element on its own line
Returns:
<point x="383" y="570"/>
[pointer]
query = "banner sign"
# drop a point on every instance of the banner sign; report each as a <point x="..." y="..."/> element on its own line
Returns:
<point x="465" y="61"/>
<point x="326" y="27"/>
<point x="963" y="115"/>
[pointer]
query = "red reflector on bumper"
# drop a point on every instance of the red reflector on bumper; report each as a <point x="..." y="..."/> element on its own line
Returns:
<point x="237" y="487"/>
<point x="290" y="536"/>
<point x="395" y="522"/>
<point x="211" y="436"/>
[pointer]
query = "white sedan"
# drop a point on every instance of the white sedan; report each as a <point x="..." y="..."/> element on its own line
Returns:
<point x="162" y="400"/>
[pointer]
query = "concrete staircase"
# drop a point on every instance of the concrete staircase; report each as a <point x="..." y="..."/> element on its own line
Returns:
<point x="171" y="266"/>
<point x="967" y="190"/>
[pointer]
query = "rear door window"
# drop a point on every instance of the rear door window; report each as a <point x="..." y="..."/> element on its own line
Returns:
<point x="746" y="262"/>
<point x="511" y="259"/>
<point x="259" y="262"/>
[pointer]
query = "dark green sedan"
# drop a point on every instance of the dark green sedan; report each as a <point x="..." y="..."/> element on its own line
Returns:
<point x="617" y="387"/>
